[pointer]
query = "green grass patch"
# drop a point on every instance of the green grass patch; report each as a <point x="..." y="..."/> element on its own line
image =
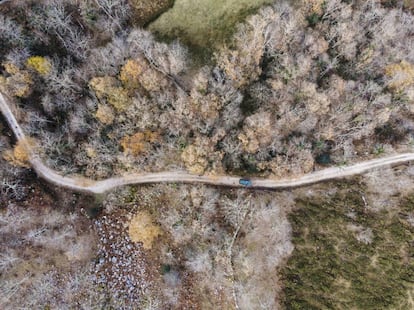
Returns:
<point x="331" y="269"/>
<point x="204" y="24"/>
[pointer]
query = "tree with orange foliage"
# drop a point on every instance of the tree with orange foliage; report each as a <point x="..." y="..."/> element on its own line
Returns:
<point x="139" y="143"/>
<point x="20" y="155"/>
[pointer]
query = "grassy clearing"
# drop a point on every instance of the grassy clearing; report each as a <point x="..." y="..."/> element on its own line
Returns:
<point x="203" y="23"/>
<point x="347" y="257"/>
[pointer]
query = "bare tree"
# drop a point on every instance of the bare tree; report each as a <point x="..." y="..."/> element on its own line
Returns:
<point x="117" y="12"/>
<point x="11" y="32"/>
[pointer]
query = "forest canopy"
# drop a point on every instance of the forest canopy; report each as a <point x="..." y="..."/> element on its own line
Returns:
<point x="295" y="87"/>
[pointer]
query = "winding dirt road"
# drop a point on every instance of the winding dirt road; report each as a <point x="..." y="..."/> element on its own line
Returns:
<point x="81" y="184"/>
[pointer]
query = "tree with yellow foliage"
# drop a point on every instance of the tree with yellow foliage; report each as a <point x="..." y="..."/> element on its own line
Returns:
<point x="130" y="72"/>
<point x="107" y="89"/>
<point x="143" y="229"/>
<point x="19" y="156"/>
<point x="138" y="72"/>
<point x="17" y="81"/>
<point x="197" y="156"/>
<point x="400" y="75"/>
<point x="40" y="64"/>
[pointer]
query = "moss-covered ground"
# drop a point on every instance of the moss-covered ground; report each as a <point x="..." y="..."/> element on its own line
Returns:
<point x="348" y="257"/>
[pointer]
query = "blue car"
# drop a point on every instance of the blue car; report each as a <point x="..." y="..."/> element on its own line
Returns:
<point x="245" y="182"/>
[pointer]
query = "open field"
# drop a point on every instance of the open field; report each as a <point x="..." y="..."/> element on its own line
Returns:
<point x="204" y="23"/>
<point x="348" y="255"/>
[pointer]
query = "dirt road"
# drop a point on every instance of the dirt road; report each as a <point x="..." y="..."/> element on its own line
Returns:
<point x="82" y="184"/>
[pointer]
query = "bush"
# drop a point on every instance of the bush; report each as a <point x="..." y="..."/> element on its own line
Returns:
<point x="313" y="19"/>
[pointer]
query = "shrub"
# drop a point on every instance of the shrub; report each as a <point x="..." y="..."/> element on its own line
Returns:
<point x="313" y="19"/>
